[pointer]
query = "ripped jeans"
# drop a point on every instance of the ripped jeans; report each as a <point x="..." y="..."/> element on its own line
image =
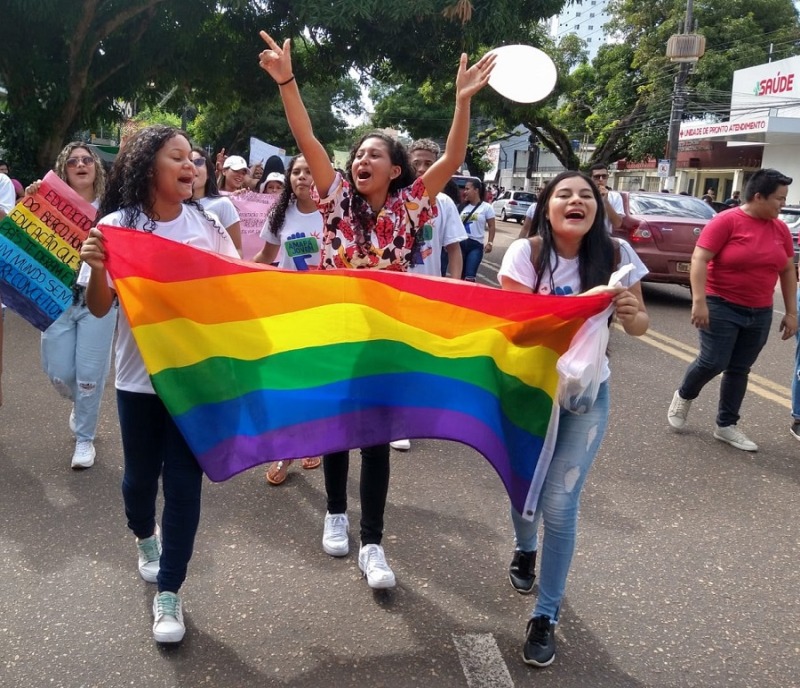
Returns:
<point x="579" y="438"/>
<point x="76" y="355"/>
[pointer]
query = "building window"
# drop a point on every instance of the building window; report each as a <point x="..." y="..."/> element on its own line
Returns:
<point x="591" y="28"/>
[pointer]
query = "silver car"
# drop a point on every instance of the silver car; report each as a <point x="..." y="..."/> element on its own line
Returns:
<point x="512" y="205"/>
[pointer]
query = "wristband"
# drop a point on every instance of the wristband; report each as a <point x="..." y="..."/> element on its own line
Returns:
<point x="288" y="81"/>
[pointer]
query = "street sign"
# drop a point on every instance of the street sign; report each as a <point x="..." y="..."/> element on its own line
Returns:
<point x="663" y="168"/>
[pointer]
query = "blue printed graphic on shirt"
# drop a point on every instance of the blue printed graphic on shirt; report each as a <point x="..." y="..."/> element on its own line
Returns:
<point x="299" y="248"/>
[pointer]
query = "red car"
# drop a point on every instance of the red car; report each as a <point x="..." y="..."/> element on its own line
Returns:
<point x="663" y="228"/>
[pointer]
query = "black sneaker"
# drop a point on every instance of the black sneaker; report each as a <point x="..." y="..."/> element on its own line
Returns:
<point x="520" y="572"/>
<point x="795" y="429"/>
<point x="540" y="644"/>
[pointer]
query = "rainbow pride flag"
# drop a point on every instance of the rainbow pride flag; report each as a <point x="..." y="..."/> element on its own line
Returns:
<point x="40" y="243"/>
<point x="257" y="364"/>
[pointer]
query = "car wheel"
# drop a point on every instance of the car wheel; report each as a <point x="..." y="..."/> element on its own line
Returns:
<point x="503" y="215"/>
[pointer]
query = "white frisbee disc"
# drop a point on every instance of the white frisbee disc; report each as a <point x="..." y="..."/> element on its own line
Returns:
<point x="523" y="73"/>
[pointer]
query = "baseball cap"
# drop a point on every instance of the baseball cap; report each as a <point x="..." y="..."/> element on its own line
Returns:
<point x="276" y="177"/>
<point x="235" y="162"/>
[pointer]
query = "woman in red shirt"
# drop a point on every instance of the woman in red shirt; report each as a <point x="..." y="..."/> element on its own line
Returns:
<point x="739" y="256"/>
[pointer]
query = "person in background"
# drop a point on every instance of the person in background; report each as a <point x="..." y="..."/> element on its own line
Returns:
<point x="206" y="193"/>
<point x="613" y="206"/>
<point x="76" y="348"/>
<point x="374" y="218"/>
<point x="296" y="220"/>
<point x="734" y="200"/>
<point x="443" y="234"/>
<point x="234" y="171"/>
<point x="527" y="223"/>
<point x="478" y="219"/>
<point x="274" y="183"/>
<point x="709" y="200"/>
<point x="570" y="253"/>
<point x="739" y="256"/>
<point x="149" y="190"/>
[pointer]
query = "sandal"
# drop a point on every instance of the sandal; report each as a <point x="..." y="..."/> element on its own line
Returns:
<point x="311" y="462"/>
<point x="277" y="472"/>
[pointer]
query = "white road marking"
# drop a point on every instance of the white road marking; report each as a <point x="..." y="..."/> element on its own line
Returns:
<point x="482" y="662"/>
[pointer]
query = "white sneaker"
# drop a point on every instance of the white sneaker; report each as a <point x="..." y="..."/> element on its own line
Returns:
<point x="168" y="626"/>
<point x="84" y="454"/>
<point x="401" y="445"/>
<point x="735" y="437"/>
<point x="72" y="425"/>
<point x="334" y="535"/>
<point x="372" y="562"/>
<point x="149" y="556"/>
<point x="678" y="410"/>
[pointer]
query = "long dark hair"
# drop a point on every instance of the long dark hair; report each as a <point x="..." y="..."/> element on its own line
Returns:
<point x="277" y="216"/>
<point x="210" y="190"/>
<point x="360" y="210"/>
<point x="596" y="252"/>
<point x="130" y="182"/>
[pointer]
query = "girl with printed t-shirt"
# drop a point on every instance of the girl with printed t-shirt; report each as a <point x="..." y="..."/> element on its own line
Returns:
<point x="206" y="193"/>
<point x="571" y="254"/>
<point x="373" y="219"/>
<point x="478" y="219"/>
<point x="295" y="225"/>
<point x="76" y="348"/>
<point x="149" y="190"/>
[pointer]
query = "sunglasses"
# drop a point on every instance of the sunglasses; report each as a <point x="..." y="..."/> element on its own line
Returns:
<point x="199" y="162"/>
<point x="599" y="176"/>
<point x="87" y="160"/>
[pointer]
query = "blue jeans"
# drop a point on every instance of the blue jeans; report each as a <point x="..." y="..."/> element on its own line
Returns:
<point x="796" y="378"/>
<point x="472" y="252"/>
<point x="577" y="443"/>
<point x="730" y="345"/>
<point x="153" y="447"/>
<point x="76" y="356"/>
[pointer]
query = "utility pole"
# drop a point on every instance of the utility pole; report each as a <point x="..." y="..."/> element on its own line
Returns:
<point x="685" y="48"/>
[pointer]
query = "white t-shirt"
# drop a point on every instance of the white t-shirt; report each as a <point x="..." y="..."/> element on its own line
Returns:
<point x="442" y="231"/>
<point x="517" y="266"/>
<point x="222" y="207"/>
<point x="8" y="197"/>
<point x="474" y="219"/>
<point x="531" y="210"/>
<point x="300" y="238"/>
<point x="615" y="201"/>
<point x="190" y="227"/>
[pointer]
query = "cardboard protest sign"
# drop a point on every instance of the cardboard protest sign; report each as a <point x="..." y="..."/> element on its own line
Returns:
<point x="40" y="243"/>
<point x="253" y="209"/>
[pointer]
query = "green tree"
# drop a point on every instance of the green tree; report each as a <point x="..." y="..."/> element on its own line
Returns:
<point x="738" y="34"/>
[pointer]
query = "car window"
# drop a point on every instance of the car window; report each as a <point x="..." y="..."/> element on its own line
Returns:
<point x="669" y="206"/>
<point x="791" y="217"/>
<point x="525" y="197"/>
<point x="507" y="194"/>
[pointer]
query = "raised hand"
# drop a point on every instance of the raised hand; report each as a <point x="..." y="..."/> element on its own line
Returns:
<point x="470" y="81"/>
<point x="276" y="60"/>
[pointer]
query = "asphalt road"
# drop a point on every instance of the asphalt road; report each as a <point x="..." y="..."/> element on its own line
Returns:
<point x="686" y="572"/>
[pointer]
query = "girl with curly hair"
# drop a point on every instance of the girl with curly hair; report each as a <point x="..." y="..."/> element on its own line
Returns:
<point x="374" y="218"/>
<point x="149" y="189"/>
<point x="76" y="348"/>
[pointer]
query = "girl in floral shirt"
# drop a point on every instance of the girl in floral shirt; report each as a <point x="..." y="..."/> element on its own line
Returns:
<point x="374" y="218"/>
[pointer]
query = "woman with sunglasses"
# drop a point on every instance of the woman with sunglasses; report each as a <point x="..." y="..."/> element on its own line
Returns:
<point x="76" y="348"/>
<point x="206" y="193"/>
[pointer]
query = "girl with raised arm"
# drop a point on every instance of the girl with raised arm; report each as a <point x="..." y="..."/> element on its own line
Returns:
<point x="374" y="218"/>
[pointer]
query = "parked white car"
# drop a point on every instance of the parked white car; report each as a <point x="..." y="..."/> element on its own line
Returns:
<point x="512" y="205"/>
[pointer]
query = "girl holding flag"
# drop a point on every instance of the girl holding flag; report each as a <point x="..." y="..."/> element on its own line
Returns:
<point x="149" y="190"/>
<point x="374" y="217"/>
<point x="569" y="252"/>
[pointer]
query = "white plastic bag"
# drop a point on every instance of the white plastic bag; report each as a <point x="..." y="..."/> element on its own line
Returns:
<point x="581" y="367"/>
